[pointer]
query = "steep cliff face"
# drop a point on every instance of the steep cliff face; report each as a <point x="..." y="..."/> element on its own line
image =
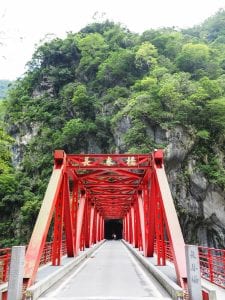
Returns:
<point x="200" y="204"/>
<point x="119" y="131"/>
<point x="22" y="135"/>
<point x="108" y="90"/>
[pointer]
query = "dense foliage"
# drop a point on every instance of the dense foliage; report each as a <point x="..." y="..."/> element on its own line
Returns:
<point x="79" y="91"/>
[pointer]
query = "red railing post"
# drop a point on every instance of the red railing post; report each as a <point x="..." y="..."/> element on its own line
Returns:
<point x="205" y="295"/>
<point x="6" y="266"/>
<point x="45" y="255"/>
<point x="210" y="262"/>
<point x="223" y="268"/>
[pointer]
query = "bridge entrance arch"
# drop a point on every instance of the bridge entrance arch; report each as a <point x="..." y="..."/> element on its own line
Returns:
<point x="86" y="191"/>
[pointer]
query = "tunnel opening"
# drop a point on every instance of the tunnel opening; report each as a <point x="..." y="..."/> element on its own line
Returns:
<point x="113" y="229"/>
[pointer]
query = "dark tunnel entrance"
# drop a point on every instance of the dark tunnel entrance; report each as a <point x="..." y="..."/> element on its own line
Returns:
<point x="113" y="227"/>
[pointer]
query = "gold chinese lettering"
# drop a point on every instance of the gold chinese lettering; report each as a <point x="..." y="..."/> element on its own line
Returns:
<point x="109" y="161"/>
<point x="131" y="161"/>
<point x="86" y="161"/>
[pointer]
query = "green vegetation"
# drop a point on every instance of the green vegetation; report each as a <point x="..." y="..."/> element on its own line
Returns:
<point x="78" y="91"/>
<point x="8" y="184"/>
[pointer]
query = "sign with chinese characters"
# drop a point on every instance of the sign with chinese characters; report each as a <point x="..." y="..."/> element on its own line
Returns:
<point x="193" y="272"/>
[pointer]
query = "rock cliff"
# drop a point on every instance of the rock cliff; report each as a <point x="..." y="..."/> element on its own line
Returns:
<point x="200" y="204"/>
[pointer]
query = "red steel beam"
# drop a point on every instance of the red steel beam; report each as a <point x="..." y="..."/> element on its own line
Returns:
<point x="39" y="235"/>
<point x="141" y="216"/>
<point x="91" y="225"/>
<point x="97" y="226"/>
<point x="107" y="162"/>
<point x="68" y="218"/>
<point x="74" y="210"/>
<point x="159" y="225"/>
<point x="80" y="219"/>
<point x="58" y="229"/>
<point x="171" y="220"/>
<point x="133" y="225"/>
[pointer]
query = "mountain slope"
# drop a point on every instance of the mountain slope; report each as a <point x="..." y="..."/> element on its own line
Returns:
<point x="106" y="89"/>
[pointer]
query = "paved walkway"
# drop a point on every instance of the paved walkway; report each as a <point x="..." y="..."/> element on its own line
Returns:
<point x="110" y="273"/>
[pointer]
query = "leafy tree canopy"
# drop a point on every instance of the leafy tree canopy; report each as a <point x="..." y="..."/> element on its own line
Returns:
<point x="106" y="89"/>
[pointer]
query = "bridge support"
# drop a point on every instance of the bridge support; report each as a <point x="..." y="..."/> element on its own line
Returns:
<point x="39" y="235"/>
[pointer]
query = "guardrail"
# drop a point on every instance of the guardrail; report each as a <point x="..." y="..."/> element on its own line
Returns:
<point x="169" y="255"/>
<point x="5" y="255"/>
<point x="47" y="252"/>
<point x="212" y="263"/>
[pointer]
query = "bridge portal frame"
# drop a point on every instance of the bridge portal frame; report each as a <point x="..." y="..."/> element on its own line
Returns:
<point x="84" y="190"/>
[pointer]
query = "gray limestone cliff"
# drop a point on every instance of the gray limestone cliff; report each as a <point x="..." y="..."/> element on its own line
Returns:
<point x="199" y="203"/>
<point x="22" y="135"/>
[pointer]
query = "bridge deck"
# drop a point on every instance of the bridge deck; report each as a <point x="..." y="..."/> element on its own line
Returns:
<point x="110" y="273"/>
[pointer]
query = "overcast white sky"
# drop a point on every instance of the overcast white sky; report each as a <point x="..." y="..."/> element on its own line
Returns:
<point x="23" y="23"/>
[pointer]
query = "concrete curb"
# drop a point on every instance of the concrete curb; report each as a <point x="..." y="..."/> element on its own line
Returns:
<point x="3" y="288"/>
<point x="171" y="287"/>
<point x="211" y="293"/>
<point x="41" y="286"/>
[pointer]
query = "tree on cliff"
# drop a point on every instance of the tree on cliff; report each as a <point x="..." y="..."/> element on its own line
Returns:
<point x="83" y="91"/>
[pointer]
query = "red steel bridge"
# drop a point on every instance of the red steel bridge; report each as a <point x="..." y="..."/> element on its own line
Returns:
<point x="87" y="191"/>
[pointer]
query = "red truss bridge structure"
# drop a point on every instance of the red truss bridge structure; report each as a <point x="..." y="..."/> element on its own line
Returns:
<point x="87" y="190"/>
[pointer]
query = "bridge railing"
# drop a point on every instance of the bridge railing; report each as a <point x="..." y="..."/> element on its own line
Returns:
<point x="212" y="263"/>
<point x="47" y="252"/>
<point x="169" y="255"/>
<point x="5" y="255"/>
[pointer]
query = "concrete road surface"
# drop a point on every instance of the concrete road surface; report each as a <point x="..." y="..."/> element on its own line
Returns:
<point x="110" y="273"/>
